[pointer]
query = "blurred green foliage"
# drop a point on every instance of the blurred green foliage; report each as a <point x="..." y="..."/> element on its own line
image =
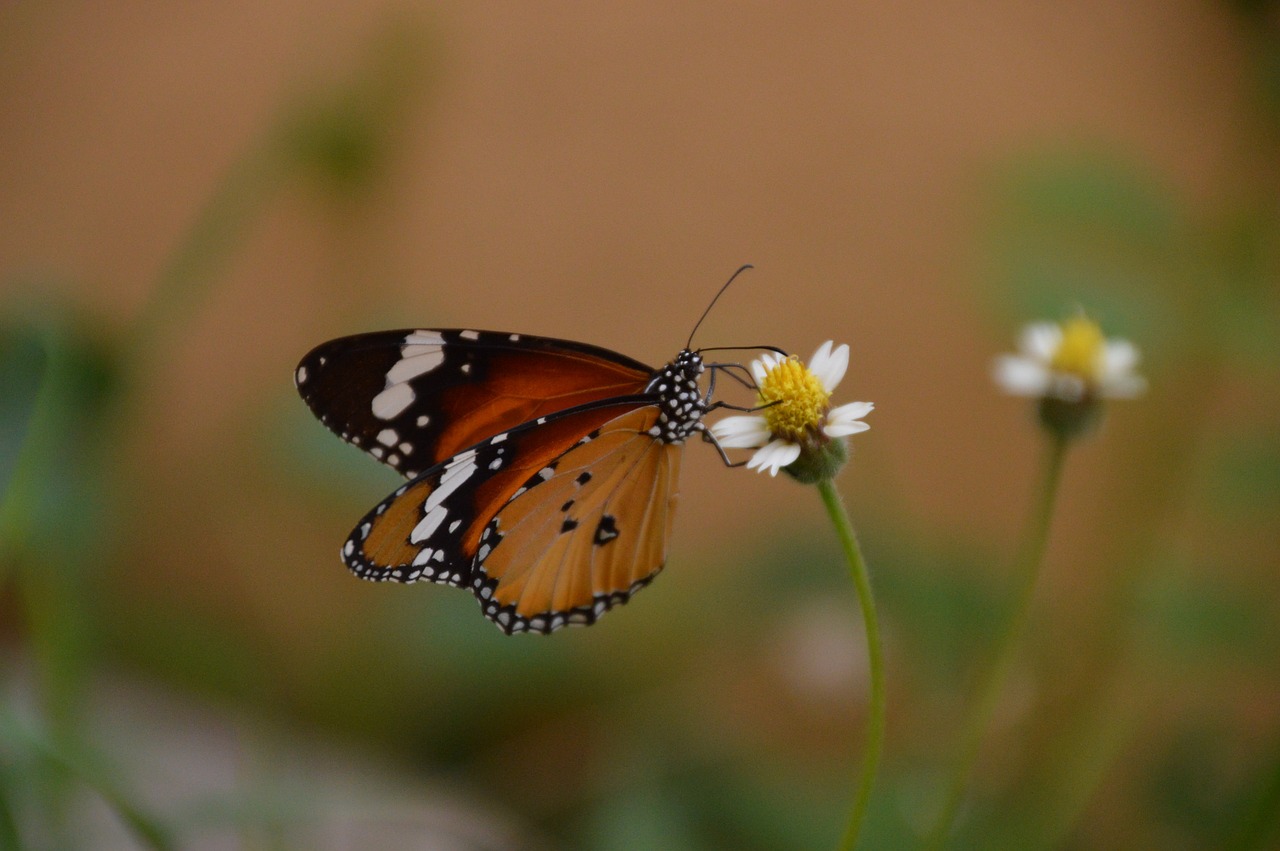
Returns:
<point x="67" y="402"/>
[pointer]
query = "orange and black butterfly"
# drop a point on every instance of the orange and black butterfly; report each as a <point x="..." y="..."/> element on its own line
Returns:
<point x="542" y="473"/>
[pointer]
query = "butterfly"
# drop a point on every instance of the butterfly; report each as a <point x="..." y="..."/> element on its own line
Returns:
<point x="541" y="473"/>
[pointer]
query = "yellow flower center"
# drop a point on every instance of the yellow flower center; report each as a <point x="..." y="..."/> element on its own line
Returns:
<point x="1080" y="352"/>
<point x="796" y="399"/>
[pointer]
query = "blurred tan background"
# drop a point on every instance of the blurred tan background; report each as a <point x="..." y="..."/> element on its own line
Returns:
<point x="205" y="191"/>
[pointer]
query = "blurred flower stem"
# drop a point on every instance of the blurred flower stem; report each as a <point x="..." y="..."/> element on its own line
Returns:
<point x="75" y="759"/>
<point x="49" y="410"/>
<point x="84" y="384"/>
<point x="66" y="472"/>
<point x="1027" y="573"/>
<point x="205" y="251"/>
<point x="875" y="657"/>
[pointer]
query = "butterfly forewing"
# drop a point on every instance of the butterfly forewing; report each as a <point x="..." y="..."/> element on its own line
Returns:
<point x="415" y="398"/>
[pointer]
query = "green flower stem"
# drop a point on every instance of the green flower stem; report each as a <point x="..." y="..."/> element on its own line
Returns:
<point x="1027" y="573"/>
<point x="875" y="655"/>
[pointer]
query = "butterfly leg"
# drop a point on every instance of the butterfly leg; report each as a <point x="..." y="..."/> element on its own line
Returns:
<point x="727" y="368"/>
<point x="708" y="437"/>
<point x="752" y="409"/>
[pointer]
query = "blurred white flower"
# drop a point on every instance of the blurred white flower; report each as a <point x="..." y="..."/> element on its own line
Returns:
<point x="1071" y="361"/>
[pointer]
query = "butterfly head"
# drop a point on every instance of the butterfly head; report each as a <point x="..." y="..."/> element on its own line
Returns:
<point x="689" y="364"/>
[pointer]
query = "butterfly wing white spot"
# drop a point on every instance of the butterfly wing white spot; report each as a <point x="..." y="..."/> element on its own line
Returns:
<point x="418" y="360"/>
<point x="390" y="403"/>
<point x="455" y="474"/>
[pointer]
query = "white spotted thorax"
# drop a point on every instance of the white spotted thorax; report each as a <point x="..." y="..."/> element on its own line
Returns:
<point x="681" y="404"/>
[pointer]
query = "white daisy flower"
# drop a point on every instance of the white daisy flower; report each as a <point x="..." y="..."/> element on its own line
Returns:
<point x="1072" y="362"/>
<point x="796" y="413"/>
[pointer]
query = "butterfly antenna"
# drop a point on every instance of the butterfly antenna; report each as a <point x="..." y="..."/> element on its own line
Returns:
<point x="744" y="267"/>
<point x="773" y="349"/>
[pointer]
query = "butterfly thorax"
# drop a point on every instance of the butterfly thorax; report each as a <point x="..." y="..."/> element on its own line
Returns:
<point x="680" y="402"/>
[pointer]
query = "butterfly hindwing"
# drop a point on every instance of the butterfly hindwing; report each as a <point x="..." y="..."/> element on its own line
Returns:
<point x="415" y="398"/>
<point x="583" y="534"/>
<point x="430" y="528"/>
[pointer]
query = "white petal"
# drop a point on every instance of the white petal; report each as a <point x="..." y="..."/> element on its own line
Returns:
<point x="759" y="369"/>
<point x="1119" y="357"/>
<point x="821" y="356"/>
<point x="1116" y="379"/>
<point x="1020" y="376"/>
<point x="1040" y="340"/>
<point x="851" y="411"/>
<point x="741" y="432"/>
<point x="829" y="366"/>
<point x="765" y="364"/>
<point x="845" y="429"/>
<point x="1123" y="387"/>
<point x="846" y="419"/>
<point x="774" y="457"/>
